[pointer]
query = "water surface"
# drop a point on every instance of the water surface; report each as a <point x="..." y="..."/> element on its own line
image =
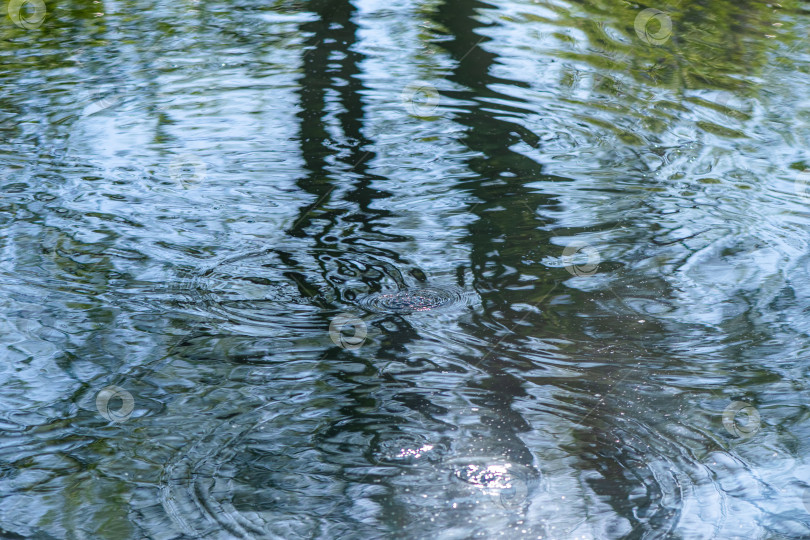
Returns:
<point x="452" y="269"/>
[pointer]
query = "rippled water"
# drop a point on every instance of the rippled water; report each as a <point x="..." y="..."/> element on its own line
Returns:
<point x="455" y="269"/>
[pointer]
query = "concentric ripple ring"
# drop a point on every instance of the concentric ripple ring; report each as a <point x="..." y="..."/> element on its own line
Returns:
<point x="414" y="299"/>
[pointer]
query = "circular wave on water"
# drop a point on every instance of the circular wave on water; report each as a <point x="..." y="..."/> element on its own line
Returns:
<point x="407" y="448"/>
<point x="414" y="299"/>
<point x="249" y="478"/>
<point x="286" y="288"/>
<point x="256" y="287"/>
<point x="507" y="484"/>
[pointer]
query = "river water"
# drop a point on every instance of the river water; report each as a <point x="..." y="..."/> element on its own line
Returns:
<point x="446" y="269"/>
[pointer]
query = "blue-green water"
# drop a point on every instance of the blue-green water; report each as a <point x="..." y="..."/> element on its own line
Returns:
<point x="445" y="270"/>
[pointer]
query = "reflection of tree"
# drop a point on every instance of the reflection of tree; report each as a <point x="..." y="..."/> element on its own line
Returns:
<point x="336" y="163"/>
<point x="711" y="44"/>
<point x="506" y="231"/>
<point x="334" y="30"/>
<point x="720" y="46"/>
<point x="508" y="240"/>
<point x="331" y="159"/>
